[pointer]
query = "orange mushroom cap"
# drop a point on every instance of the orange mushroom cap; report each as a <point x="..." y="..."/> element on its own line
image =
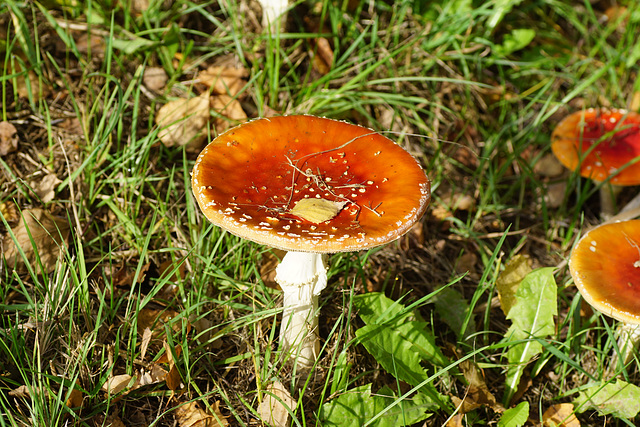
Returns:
<point x="605" y="266"/>
<point x="600" y="143"/>
<point x="250" y="179"/>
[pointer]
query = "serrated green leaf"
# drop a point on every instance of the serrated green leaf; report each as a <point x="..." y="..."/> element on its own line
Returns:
<point x="376" y="309"/>
<point x="532" y="317"/>
<point x="515" y="417"/>
<point x="358" y="406"/>
<point x="453" y="310"/>
<point x="619" y="399"/>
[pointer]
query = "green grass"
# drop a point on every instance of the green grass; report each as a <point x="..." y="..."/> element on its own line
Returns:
<point x="428" y="74"/>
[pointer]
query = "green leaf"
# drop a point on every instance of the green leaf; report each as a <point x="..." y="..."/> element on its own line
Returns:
<point x="376" y="309"/>
<point x="358" y="406"/>
<point x="454" y="310"/>
<point x="619" y="399"/>
<point x="135" y="44"/>
<point x="515" y="417"/>
<point x="514" y="41"/>
<point x="532" y="317"/>
<point x="509" y="281"/>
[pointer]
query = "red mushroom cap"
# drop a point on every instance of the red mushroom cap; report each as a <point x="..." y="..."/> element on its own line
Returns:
<point x="369" y="191"/>
<point x="605" y="266"/>
<point x="616" y="136"/>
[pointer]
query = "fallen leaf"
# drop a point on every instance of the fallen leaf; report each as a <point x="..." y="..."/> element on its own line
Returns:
<point x="153" y="374"/>
<point x="191" y="415"/>
<point x="560" y="415"/>
<point x="116" y="384"/>
<point x="154" y="78"/>
<point x="9" y="212"/>
<point x="317" y="210"/>
<point x="155" y="319"/>
<point x="75" y="399"/>
<point x="184" y="121"/>
<point x="509" y="280"/>
<point x="230" y="110"/>
<point x="49" y="235"/>
<point x="548" y="166"/>
<point x="22" y="391"/>
<point x="8" y="138"/>
<point x="477" y="393"/>
<point x="456" y="421"/>
<point x="44" y="186"/>
<point x="323" y="58"/>
<point x="144" y="343"/>
<point x="276" y="405"/>
<point x="224" y="80"/>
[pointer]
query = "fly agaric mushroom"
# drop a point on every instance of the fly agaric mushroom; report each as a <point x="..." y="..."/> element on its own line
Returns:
<point x="601" y="143"/>
<point x="605" y="266"/>
<point x="310" y="186"/>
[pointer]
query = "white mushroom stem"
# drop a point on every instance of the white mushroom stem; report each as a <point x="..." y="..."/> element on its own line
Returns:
<point x="608" y="195"/>
<point x="273" y="13"/>
<point x="628" y="339"/>
<point x="302" y="276"/>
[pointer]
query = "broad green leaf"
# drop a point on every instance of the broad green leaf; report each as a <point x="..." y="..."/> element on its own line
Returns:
<point x="376" y="309"/>
<point x="358" y="406"/>
<point x="453" y="310"/>
<point x="619" y="399"/>
<point x="532" y="317"/>
<point x="509" y="281"/>
<point x="515" y="417"/>
<point x="132" y="46"/>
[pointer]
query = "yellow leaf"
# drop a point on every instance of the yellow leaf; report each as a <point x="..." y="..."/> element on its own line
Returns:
<point x="509" y="280"/>
<point x="317" y="210"/>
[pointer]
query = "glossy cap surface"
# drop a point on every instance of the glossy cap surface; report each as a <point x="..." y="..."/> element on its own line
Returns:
<point x="600" y="143"/>
<point x="605" y="266"/>
<point x="249" y="179"/>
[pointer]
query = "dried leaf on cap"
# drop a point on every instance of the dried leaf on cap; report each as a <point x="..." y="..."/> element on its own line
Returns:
<point x="184" y="121"/>
<point x="8" y="138"/>
<point x="38" y="235"/>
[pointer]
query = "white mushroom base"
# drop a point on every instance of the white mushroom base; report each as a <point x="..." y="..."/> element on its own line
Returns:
<point x="302" y="276"/>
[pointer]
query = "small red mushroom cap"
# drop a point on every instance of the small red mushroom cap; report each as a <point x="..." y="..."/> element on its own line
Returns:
<point x="601" y="143"/>
<point x="250" y="181"/>
<point x="605" y="266"/>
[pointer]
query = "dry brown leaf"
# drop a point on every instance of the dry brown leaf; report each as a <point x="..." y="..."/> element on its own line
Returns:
<point x="75" y="399"/>
<point x="155" y="78"/>
<point x="184" y="121"/>
<point x="116" y="384"/>
<point x="270" y="261"/>
<point x="144" y="343"/>
<point x="549" y="166"/>
<point x="323" y="59"/>
<point x="191" y="415"/>
<point x="21" y="391"/>
<point x="44" y="186"/>
<point x="154" y="319"/>
<point x="478" y="393"/>
<point x="560" y="415"/>
<point x="8" y="138"/>
<point x="456" y="421"/>
<point x="153" y="374"/>
<point x="49" y="235"/>
<point x="224" y="80"/>
<point x="230" y="108"/>
<point x="275" y="406"/>
<point x="124" y="277"/>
